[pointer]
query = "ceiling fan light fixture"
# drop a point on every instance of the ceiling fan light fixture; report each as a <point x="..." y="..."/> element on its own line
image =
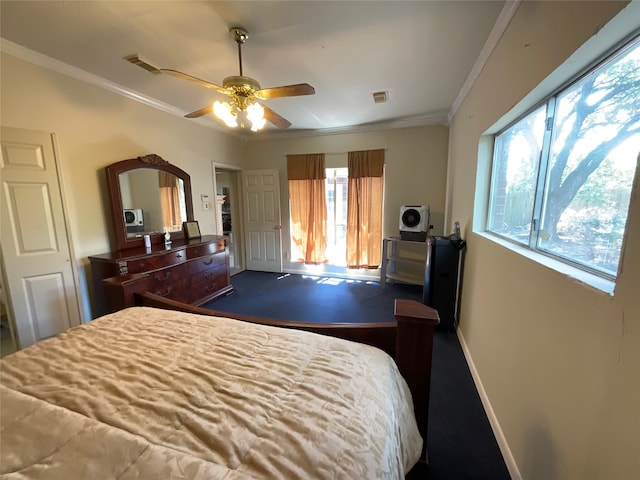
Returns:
<point x="224" y="112"/>
<point x="255" y="114"/>
<point x="229" y="114"/>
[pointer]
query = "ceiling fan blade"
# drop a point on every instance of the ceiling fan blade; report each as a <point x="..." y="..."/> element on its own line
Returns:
<point x="274" y="118"/>
<point x="286" y="91"/>
<point x="136" y="60"/>
<point x="201" y="112"/>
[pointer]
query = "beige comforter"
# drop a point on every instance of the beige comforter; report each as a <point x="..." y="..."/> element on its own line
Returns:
<point x="155" y="394"/>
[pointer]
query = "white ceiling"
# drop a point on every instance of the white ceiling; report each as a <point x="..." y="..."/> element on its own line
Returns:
<point x="420" y="52"/>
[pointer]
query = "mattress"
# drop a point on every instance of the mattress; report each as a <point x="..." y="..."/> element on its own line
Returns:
<point x="149" y="393"/>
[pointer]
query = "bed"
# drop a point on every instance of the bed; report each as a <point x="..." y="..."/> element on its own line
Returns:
<point x="166" y="390"/>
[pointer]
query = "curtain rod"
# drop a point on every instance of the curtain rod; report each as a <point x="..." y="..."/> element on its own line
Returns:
<point x="336" y="153"/>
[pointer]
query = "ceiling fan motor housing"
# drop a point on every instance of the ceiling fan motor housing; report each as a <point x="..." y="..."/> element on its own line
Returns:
<point x="243" y="88"/>
<point x="241" y="84"/>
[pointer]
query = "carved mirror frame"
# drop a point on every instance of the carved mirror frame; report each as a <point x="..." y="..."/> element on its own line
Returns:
<point x="154" y="162"/>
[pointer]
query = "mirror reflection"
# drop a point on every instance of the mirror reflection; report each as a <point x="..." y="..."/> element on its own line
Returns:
<point x="153" y="201"/>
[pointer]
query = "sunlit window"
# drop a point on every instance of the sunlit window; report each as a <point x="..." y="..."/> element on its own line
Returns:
<point x="336" y="191"/>
<point x="562" y="174"/>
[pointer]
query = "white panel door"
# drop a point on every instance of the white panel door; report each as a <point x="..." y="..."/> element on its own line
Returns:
<point x="35" y="244"/>
<point x="262" y="220"/>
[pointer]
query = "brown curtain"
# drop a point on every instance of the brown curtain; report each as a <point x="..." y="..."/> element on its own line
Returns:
<point x="364" y="209"/>
<point x="169" y="199"/>
<point x="306" y="174"/>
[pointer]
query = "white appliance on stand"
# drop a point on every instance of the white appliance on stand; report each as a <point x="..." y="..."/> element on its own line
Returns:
<point x="414" y="222"/>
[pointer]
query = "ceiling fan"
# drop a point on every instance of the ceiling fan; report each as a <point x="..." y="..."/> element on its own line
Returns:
<point x="245" y="93"/>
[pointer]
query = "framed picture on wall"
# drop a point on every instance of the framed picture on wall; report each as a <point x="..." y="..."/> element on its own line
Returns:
<point x="191" y="230"/>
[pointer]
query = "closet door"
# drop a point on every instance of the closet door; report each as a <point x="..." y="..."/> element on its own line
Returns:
<point x="35" y="243"/>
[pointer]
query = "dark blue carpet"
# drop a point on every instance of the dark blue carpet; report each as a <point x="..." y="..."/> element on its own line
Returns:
<point x="312" y="299"/>
<point x="461" y="444"/>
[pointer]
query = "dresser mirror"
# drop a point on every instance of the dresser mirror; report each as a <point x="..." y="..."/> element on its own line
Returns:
<point x="149" y="196"/>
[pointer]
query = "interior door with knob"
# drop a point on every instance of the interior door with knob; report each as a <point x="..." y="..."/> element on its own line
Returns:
<point x="35" y="242"/>
<point x="263" y="228"/>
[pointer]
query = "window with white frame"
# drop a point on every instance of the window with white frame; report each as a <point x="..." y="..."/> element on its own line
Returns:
<point x="562" y="175"/>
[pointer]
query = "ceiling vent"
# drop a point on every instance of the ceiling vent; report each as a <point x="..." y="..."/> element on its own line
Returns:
<point x="380" y="97"/>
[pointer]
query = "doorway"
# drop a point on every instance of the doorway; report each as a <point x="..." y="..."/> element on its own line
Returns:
<point x="229" y="213"/>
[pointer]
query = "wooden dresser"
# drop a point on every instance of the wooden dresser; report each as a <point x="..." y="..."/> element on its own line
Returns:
<point x="190" y="271"/>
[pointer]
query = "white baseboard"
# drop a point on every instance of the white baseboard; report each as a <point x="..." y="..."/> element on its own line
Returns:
<point x="493" y="420"/>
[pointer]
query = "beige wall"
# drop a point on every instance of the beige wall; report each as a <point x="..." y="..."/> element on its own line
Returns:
<point x="559" y="361"/>
<point x="415" y="168"/>
<point x="95" y="127"/>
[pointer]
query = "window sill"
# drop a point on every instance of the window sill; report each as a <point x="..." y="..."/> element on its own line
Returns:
<point x="599" y="283"/>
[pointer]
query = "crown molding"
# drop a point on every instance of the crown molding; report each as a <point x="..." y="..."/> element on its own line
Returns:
<point x="507" y="13"/>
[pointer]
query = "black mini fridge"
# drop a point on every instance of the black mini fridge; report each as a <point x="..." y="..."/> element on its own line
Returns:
<point x="443" y="278"/>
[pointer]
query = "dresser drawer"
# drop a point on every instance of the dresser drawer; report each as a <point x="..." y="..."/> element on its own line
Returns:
<point x="207" y="288"/>
<point x="205" y="249"/>
<point x="166" y="276"/>
<point x="217" y="260"/>
<point x="154" y="262"/>
<point x="178" y="290"/>
<point x="208" y="275"/>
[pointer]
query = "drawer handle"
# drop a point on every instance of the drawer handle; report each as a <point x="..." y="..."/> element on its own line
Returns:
<point x="208" y="275"/>
<point x="142" y="266"/>
<point x="178" y="255"/>
<point x="208" y="262"/>
<point x="159" y="293"/>
<point x="158" y="278"/>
